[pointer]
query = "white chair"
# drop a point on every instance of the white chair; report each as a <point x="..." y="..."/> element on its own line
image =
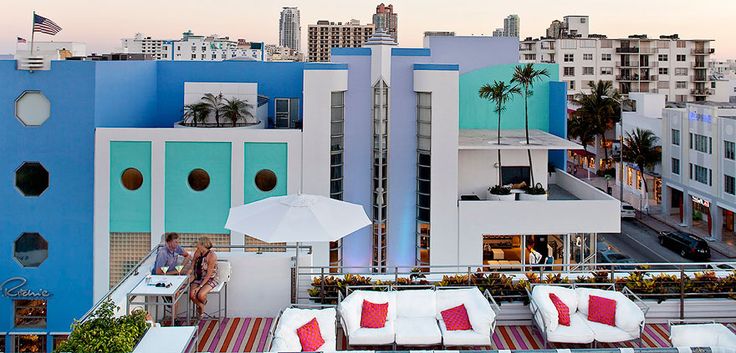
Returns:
<point x="416" y="322"/>
<point x="224" y="272"/>
<point x="482" y="311"/>
<point x="630" y="316"/>
<point x="283" y="333"/>
<point x="703" y="335"/>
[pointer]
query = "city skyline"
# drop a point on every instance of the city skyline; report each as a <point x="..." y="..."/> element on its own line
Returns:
<point x="471" y="18"/>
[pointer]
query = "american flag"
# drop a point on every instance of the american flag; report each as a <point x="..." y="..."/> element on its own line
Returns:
<point x="44" y="25"/>
<point x="21" y="40"/>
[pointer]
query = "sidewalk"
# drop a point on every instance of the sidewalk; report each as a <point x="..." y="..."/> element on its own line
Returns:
<point x="653" y="218"/>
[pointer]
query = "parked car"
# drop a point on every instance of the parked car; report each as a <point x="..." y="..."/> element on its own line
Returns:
<point x="627" y="211"/>
<point x="685" y="244"/>
<point x="612" y="257"/>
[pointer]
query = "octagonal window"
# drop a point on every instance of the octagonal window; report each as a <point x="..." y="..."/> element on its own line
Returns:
<point x="30" y="249"/>
<point x="32" y="108"/>
<point x="31" y="179"/>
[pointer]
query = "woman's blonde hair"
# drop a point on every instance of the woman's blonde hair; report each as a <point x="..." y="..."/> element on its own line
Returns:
<point x="205" y="241"/>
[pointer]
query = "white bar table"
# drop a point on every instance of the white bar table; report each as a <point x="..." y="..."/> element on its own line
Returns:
<point x="149" y="290"/>
<point x="167" y="339"/>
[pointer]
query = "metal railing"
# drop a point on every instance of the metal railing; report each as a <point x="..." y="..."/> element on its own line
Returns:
<point x="507" y="283"/>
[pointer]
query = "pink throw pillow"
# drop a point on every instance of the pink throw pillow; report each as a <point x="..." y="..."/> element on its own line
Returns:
<point x="373" y="315"/>
<point x="310" y="336"/>
<point x="602" y="310"/>
<point x="456" y="319"/>
<point x="563" y="312"/>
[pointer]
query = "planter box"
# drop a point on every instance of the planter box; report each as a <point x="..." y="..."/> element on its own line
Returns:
<point x="530" y="197"/>
<point x="509" y="197"/>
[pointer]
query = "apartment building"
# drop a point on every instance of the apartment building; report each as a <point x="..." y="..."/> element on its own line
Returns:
<point x="675" y="67"/>
<point x="194" y="47"/>
<point x="699" y="167"/>
<point x="326" y="35"/>
<point x="386" y="18"/>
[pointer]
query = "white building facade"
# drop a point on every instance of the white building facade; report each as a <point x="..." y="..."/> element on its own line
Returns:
<point x="699" y="167"/>
<point x="194" y="47"/>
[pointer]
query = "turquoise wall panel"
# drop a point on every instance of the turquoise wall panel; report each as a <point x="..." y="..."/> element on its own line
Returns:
<point x="264" y="155"/>
<point x="477" y="113"/>
<point x="130" y="210"/>
<point x="190" y="211"/>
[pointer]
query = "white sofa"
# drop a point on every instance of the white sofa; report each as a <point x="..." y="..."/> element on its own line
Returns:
<point x="285" y="339"/>
<point x="716" y="336"/>
<point x="629" y="316"/>
<point x="415" y="319"/>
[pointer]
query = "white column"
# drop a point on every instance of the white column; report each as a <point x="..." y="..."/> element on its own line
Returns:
<point x="716" y="220"/>
<point x="237" y="186"/>
<point x="687" y="209"/>
<point x="101" y="223"/>
<point x="666" y="200"/>
<point x="158" y="192"/>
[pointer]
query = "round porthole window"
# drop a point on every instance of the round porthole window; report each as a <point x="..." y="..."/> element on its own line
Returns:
<point x="132" y="179"/>
<point x="265" y="180"/>
<point x="198" y="179"/>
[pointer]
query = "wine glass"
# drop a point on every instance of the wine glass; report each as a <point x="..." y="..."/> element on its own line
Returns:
<point x="179" y="268"/>
<point x="164" y="269"/>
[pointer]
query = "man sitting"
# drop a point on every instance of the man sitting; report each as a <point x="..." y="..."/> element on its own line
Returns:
<point x="168" y="256"/>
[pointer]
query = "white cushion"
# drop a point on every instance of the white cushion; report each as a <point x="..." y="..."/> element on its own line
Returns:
<point x="373" y="336"/>
<point x="417" y="331"/>
<point x="540" y="296"/>
<point x="293" y="318"/>
<point x="480" y="313"/>
<point x="279" y="345"/>
<point x="416" y="303"/>
<point x="608" y="333"/>
<point x="351" y="307"/>
<point x="628" y="315"/>
<point x="464" y="337"/>
<point x="701" y="335"/>
<point x="577" y="332"/>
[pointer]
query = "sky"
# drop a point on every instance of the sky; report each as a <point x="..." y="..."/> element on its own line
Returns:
<point x="102" y="23"/>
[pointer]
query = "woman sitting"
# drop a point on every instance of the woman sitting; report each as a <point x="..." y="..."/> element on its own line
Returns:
<point x="204" y="276"/>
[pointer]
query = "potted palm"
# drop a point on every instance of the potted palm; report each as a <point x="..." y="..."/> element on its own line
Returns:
<point x="500" y="94"/>
<point x="534" y="193"/>
<point x="214" y="104"/>
<point x="235" y="109"/>
<point x="195" y="113"/>
<point x="525" y="76"/>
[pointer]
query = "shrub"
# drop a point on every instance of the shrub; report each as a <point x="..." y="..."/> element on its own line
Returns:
<point x="537" y="189"/>
<point x="499" y="190"/>
<point x="105" y="333"/>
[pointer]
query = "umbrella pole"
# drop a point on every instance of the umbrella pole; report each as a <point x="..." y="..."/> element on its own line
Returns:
<point x="296" y="274"/>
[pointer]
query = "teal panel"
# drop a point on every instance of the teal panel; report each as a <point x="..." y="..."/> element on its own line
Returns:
<point x="477" y="113"/>
<point x="262" y="155"/>
<point x="130" y="210"/>
<point x="189" y="211"/>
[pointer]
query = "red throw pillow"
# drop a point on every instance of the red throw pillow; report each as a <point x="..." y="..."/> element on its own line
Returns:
<point x="310" y="336"/>
<point x="563" y="312"/>
<point x="456" y="319"/>
<point x="373" y="315"/>
<point x="602" y="310"/>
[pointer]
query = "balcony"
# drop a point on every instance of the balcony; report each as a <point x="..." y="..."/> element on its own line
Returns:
<point x="699" y="78"/>
<point x="700" y="65"/>
<point x="702" y="51"/>
<point x="627" y="64"/>
<point x="572" y="206"/>
<point x="636" y="78"/>
<point x="627" y="50"/>
<point x="701" y="92"/>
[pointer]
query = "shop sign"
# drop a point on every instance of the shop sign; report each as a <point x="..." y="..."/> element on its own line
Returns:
<point x="700" y="201"/>
<point x="14" y="288"/>
<point x="695" y="116"/>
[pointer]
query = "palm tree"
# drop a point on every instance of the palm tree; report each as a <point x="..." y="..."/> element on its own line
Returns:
<point x="196" y="112"/>
<point x="500" y="94"/>
<point x="525" y="76"/>
<point x="600" y="107"/>
<point x="214" y="104"/>
<point x="234" y="109"/>
<point x="641" y="149"/>
<point x="583" y="128"/>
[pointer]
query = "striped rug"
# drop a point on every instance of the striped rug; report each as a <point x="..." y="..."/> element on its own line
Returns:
<point x="250" y="335"/>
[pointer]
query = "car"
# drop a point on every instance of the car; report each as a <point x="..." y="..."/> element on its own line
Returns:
<point x="627" y="211"/>
<point x="687" y="245"/>
<point x="612" y="257"/>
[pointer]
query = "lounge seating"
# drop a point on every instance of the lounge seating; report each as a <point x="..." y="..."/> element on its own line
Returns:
<point x="284" y="336"/>
<point x="716" y="336"/>
<point x="414" y="318"/>
<point x="629" y="317"/>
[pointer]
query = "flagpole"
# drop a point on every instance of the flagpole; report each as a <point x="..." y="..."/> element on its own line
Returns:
<point x="33" y="32"/>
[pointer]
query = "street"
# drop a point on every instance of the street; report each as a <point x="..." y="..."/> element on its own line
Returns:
<point x="641" y="244"/>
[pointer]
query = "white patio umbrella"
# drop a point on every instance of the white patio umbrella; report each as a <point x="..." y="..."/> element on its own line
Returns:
<point x="297" y="219"/>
